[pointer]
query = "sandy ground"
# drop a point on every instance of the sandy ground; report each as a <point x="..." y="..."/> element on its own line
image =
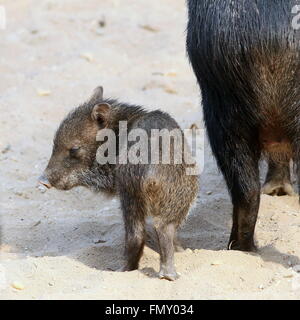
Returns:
<point x="63" y="245"/>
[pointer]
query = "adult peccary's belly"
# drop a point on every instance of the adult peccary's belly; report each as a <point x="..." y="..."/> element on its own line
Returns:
<point x="247" y="53"/>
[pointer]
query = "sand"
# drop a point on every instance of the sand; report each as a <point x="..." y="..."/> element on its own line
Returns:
<point x="64" y="245"/>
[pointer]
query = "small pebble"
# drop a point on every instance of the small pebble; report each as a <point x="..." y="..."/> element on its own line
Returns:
<point x="288" y="274"/>
<point x="102" y="23"/>
<point x="87" y="56"/>
<point x="170" y="74"/>
<point x="99" y="241"/>
<point x="6" y="149"/>
<point x="149" y="28"/>
<point x="37" y="223"/>
<point x="170" y="90"/>
<point x="18" y="285"/>
<point x="216" y="263"/>
<point x="43" y="93"/>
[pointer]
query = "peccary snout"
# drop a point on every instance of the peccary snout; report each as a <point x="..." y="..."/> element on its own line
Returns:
<point x="44" y="181"/>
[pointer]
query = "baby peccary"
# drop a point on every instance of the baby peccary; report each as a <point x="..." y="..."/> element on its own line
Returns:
<point x="163" y="191"/>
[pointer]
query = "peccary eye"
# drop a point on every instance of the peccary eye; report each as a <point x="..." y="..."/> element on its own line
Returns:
<point x="73" y="151"/>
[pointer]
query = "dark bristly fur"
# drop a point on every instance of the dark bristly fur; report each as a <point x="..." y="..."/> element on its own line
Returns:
<point x="163" y="191"/>
<point x="246" y="57"/>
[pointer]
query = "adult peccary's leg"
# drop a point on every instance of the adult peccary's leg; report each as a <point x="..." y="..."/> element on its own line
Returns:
<point x="242" y="177"/>
<point x="245" y="210"/>
<point x="238" y="160"/>
<point x="278" y="180"/>
<point x="244" y="186"/>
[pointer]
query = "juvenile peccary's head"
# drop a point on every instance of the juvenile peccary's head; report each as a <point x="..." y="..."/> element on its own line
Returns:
<point x="73" y="159"/>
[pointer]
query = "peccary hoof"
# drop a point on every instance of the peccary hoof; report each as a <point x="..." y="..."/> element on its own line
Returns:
<point x="171" y="276"/>
<point x="278" y="189"/>
<point x="240" y="246"/>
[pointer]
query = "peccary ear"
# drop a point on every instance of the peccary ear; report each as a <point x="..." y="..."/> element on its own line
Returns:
<point x="97" y="94"/>
<point x="100" y="112"/>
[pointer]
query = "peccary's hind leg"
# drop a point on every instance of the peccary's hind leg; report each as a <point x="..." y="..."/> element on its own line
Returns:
<point x="134" y="219"/>
<point x="244" y="219"/>
<point x="166" y="236"/>
<point x="278" y="180"/>
<point x="244" y="187"/>
<point x="238" y="160"/>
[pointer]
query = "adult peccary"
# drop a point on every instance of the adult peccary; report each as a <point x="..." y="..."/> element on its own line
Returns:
<point x="164" y="191"/>
<point x="245" y="55"/>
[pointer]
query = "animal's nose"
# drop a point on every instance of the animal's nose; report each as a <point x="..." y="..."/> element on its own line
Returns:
<point x="44" y="181"/>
